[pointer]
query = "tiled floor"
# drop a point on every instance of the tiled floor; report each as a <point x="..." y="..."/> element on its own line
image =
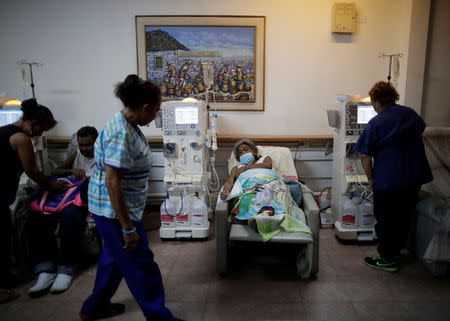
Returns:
<point x="262" y="287"/>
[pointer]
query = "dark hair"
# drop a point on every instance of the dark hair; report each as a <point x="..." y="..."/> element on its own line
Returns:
<point x="87" y="131"/>
<point x="247" y="142"/>
<point x="35" y="112"/>
<point x="135" y="92"/>
<point x="384" y="92"/>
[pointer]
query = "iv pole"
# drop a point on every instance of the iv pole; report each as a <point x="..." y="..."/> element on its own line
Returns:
<point x="23" y="63"/>
<point x="383" y="55"/>
<point x="38" y="143"/>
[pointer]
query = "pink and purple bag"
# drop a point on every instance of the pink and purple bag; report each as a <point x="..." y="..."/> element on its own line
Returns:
<point x="75" y="193"/>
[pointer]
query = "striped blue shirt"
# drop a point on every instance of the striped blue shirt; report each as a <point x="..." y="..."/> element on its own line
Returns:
<point x="120" y="145"/>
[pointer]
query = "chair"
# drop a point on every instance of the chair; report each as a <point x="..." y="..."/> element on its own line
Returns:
<point x="433" y="209"/>
<point x="227" y="230"/>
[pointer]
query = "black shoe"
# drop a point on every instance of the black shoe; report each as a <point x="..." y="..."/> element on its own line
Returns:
<point x="377" y="262"/>
<point x="114" y="309"/>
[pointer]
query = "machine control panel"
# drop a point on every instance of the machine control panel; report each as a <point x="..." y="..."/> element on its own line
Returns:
<point x="357" y="115"/>
<point x="182" y="119"/>
<point x="183" y="131"/>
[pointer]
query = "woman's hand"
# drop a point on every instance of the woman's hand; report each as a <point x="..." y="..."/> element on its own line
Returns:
<point x="131" y="241"/>
<point x="79" y="173"/>
<point x="241" y="170"/>
<point x="57" y="186"/>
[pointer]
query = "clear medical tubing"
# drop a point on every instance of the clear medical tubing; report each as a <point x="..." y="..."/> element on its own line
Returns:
<point x="167" y="208"/>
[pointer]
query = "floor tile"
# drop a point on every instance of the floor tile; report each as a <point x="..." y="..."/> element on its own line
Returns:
<point x="336" y="311"/>
<point x="427" y="311"/>
<point x="252" y="311"/>
<point x="380" y="311"/>
<point x="323" y="291"/>
<point x="31" y="310"/>
<point x="371" y="290"/>
<point x="263" y="285"/>
<point x="186" y="289"/>
<point x="191" y="311"/>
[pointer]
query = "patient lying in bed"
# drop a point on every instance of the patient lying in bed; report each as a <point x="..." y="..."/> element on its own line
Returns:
<point x="259" y="194"/>
<point x="246" y="153"/>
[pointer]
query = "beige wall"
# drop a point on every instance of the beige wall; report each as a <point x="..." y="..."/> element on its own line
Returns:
<point x="420" y="12"/>
<point x="436" y="93"/>
<point x="87" y="46"/>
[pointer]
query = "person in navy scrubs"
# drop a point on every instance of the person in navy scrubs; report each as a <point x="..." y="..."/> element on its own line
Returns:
<point x="393" y="157"/>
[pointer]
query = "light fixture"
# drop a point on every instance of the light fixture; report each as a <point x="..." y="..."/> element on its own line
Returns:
<point x="5" y="101"/>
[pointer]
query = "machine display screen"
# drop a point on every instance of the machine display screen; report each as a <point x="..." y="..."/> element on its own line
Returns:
<point x="365" y="113"/>
<point x="9" y="116"/>
<point x="186" y="115"/>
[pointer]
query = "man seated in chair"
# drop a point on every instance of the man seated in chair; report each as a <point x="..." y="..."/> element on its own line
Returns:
<point x="58" y="256"/>
<point x="81" y="163"/>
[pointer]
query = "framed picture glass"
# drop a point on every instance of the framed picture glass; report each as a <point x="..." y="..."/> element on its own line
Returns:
<point x="218" y="58"/>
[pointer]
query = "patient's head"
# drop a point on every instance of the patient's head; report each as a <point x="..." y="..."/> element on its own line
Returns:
<point x="86" y="137"/>
<point x="243" y="147"/>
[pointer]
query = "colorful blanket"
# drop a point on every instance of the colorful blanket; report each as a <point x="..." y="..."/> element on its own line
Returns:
<point x="264" y="192"/>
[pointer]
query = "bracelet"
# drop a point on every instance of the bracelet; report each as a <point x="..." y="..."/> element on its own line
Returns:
<point x="130" y="231"/>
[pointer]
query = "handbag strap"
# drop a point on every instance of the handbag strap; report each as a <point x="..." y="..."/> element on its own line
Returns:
<point x="68" y="193"/>
<point x="61" y="203"/>
<point x="42" y="202"/>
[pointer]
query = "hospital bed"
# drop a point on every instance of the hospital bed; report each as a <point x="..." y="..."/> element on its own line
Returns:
<point x="229" y="230"/>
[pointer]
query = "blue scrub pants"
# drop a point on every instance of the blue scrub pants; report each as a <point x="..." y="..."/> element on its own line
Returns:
<point x="394" y="210"/>
<point x="137" y="267"/>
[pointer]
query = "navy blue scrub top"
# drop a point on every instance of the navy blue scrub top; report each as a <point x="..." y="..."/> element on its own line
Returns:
<point x="394" y="139"/>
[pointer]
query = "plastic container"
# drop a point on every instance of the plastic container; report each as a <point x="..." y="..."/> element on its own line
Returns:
<point x="198" y="211"/>
<point x="168" y="211"/>
<point x="350" y="213"/>
<point x="366" y="217"/>
<point x="182" y="211"/>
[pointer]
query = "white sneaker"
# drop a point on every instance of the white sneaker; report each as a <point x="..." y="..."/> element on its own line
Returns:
<point x="44" y="281"/>
<point x="61" y="283"/>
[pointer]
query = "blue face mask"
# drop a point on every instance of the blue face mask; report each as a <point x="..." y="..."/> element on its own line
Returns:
<point x="246" y="159"/>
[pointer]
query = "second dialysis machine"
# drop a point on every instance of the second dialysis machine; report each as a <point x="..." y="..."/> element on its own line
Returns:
<point x="184" y="124"/>
<point x="351" y="201"/>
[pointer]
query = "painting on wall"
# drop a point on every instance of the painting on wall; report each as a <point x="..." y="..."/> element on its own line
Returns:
<point x="220" y="58"/>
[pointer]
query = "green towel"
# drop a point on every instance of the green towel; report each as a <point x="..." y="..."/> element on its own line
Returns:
<point x="269" y="226"/>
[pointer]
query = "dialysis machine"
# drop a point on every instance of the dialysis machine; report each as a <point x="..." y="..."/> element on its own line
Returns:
<point x="184" y="126"/>
<point x="348" y="178"/>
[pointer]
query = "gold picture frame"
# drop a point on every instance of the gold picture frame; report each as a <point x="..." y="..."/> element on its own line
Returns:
<point x="172" y="51"/>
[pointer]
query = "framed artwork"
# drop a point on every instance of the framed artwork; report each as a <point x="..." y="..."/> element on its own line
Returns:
<point x="218" y="58"/>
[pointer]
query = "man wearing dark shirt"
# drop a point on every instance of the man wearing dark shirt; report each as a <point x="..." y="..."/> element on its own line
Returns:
<point x="393" y="139"/>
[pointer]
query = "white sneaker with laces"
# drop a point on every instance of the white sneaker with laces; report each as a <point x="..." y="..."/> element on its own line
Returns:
<point x="61" y="283"/>
<point x="44" y="281"/>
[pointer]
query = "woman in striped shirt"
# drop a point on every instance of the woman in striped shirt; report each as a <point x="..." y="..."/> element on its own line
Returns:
<point x="117" y="195"/>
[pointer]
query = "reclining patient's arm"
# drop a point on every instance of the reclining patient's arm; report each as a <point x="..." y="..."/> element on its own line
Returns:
<point x="266" y="163"/>
<point x="228" y="186"/>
